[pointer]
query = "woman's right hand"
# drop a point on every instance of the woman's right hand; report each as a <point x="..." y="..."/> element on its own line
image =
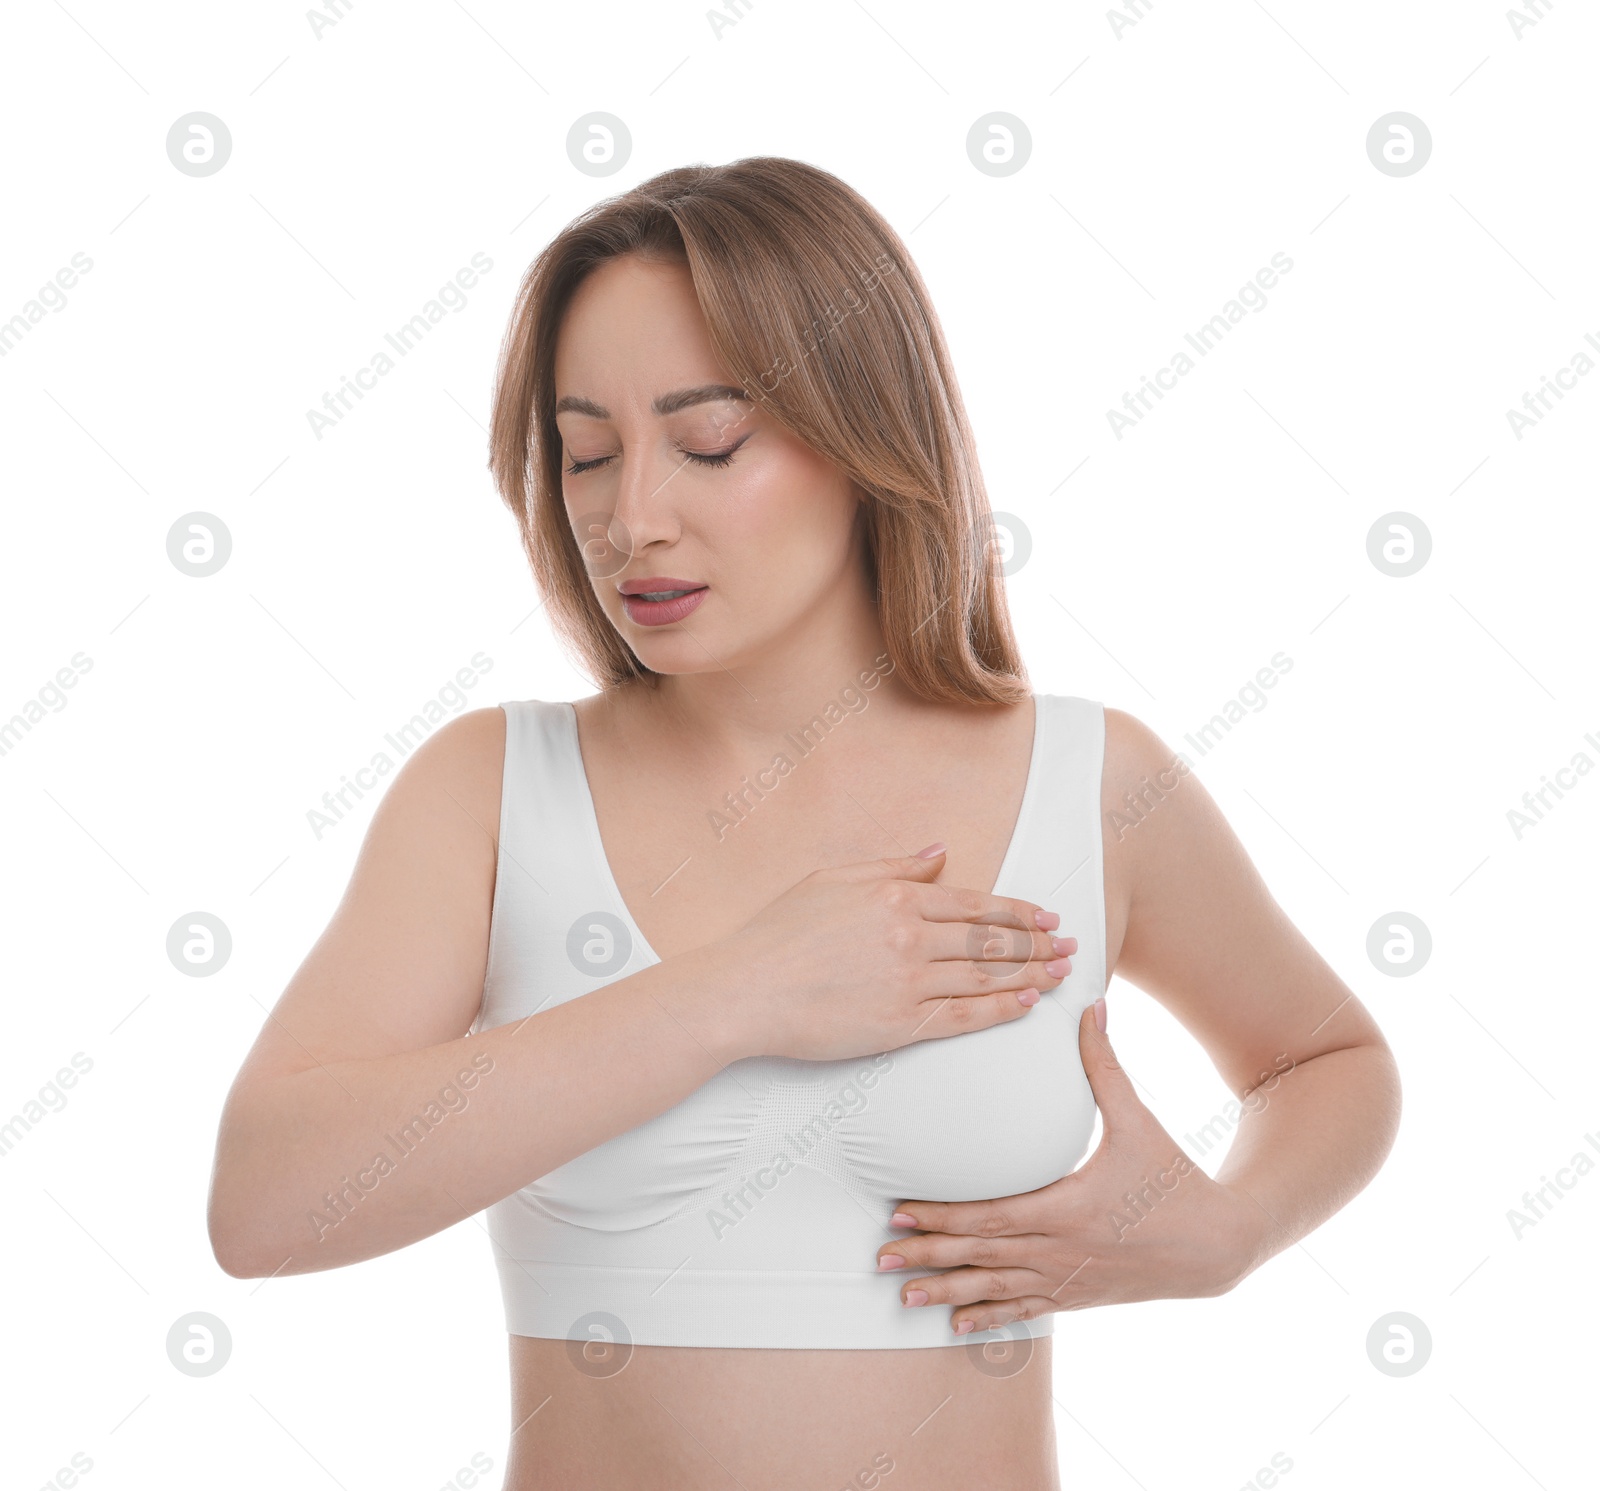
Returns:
<point x="858" y="959"/>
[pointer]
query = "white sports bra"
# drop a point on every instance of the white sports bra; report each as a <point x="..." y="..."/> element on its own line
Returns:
<point x="751" y="1212"/>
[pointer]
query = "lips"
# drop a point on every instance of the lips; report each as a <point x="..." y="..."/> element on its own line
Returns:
<point x="660" y="600"/>
<point x="657" y="584"/>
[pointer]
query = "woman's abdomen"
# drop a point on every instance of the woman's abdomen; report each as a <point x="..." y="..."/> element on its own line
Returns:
<point x="684" y="1419"/>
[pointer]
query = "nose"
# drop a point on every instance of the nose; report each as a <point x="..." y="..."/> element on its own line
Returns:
<point x="646" y="507"/>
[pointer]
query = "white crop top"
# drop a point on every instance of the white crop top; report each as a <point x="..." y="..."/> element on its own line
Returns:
<point x="751" y="1212"/>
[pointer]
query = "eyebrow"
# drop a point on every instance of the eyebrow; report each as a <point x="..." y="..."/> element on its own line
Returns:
<point x="667" y="403"/>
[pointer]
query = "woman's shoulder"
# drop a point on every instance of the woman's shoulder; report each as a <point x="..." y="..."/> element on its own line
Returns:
<point x="1162" y="830"/>
<point x="464" y="757"/>
<point x="1131" y="745"/>
<point x="1140" y="768"/>
<point x="461" y="769"/>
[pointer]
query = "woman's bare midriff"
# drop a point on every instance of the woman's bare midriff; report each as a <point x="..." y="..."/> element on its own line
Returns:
<point x="675" y="1418"/>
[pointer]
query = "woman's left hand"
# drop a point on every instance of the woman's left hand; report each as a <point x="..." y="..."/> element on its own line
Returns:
<point x="1138" y="1220"/>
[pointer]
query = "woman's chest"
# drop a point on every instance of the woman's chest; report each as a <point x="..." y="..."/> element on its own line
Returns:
<point x="696" y="855"/>
<point x="808" y="1146"/>
<point x="825" y="1149"/>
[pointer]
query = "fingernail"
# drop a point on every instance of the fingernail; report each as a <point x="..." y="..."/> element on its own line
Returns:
<point x="1048" y="921"/>
<point x="903" y="1219"/>
<point x="963" y="1326"/>
<point x="930" y="851"/>
<point x="1028" y="998"/>
<point x="1066" y="946"/>
<point x="891" y="1260"/>
<point x="916" y="1297"/>
<point x="1100" y="1014"/>
<point x="1056" y="968"/>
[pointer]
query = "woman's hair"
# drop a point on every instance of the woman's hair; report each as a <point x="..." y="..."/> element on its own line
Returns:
<point x="814" y="306"/>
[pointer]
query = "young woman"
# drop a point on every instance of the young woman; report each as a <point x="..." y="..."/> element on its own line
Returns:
<point x="755" y="1076"/>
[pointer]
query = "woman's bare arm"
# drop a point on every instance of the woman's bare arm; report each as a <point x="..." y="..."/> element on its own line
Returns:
<point x="366" y="1053"/>
<point x="1317" y="1082"/>
<point x="365" y="1118"/>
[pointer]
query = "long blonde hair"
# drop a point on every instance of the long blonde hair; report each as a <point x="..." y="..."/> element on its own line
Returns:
<point x="815" y="307"/>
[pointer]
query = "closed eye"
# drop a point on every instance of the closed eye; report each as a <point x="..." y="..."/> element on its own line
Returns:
<point x="716" y="458"/>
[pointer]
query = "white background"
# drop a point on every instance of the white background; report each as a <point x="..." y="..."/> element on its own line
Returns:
<point x="1169" y="163"/>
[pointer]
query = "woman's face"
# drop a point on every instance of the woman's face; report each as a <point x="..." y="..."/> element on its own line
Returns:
<point x="682" y="485"/>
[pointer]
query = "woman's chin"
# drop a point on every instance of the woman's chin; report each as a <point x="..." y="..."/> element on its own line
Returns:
<point x="671" y="651"/>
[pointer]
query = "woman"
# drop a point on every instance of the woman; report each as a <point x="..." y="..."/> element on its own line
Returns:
<point x="665" y="979"/>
